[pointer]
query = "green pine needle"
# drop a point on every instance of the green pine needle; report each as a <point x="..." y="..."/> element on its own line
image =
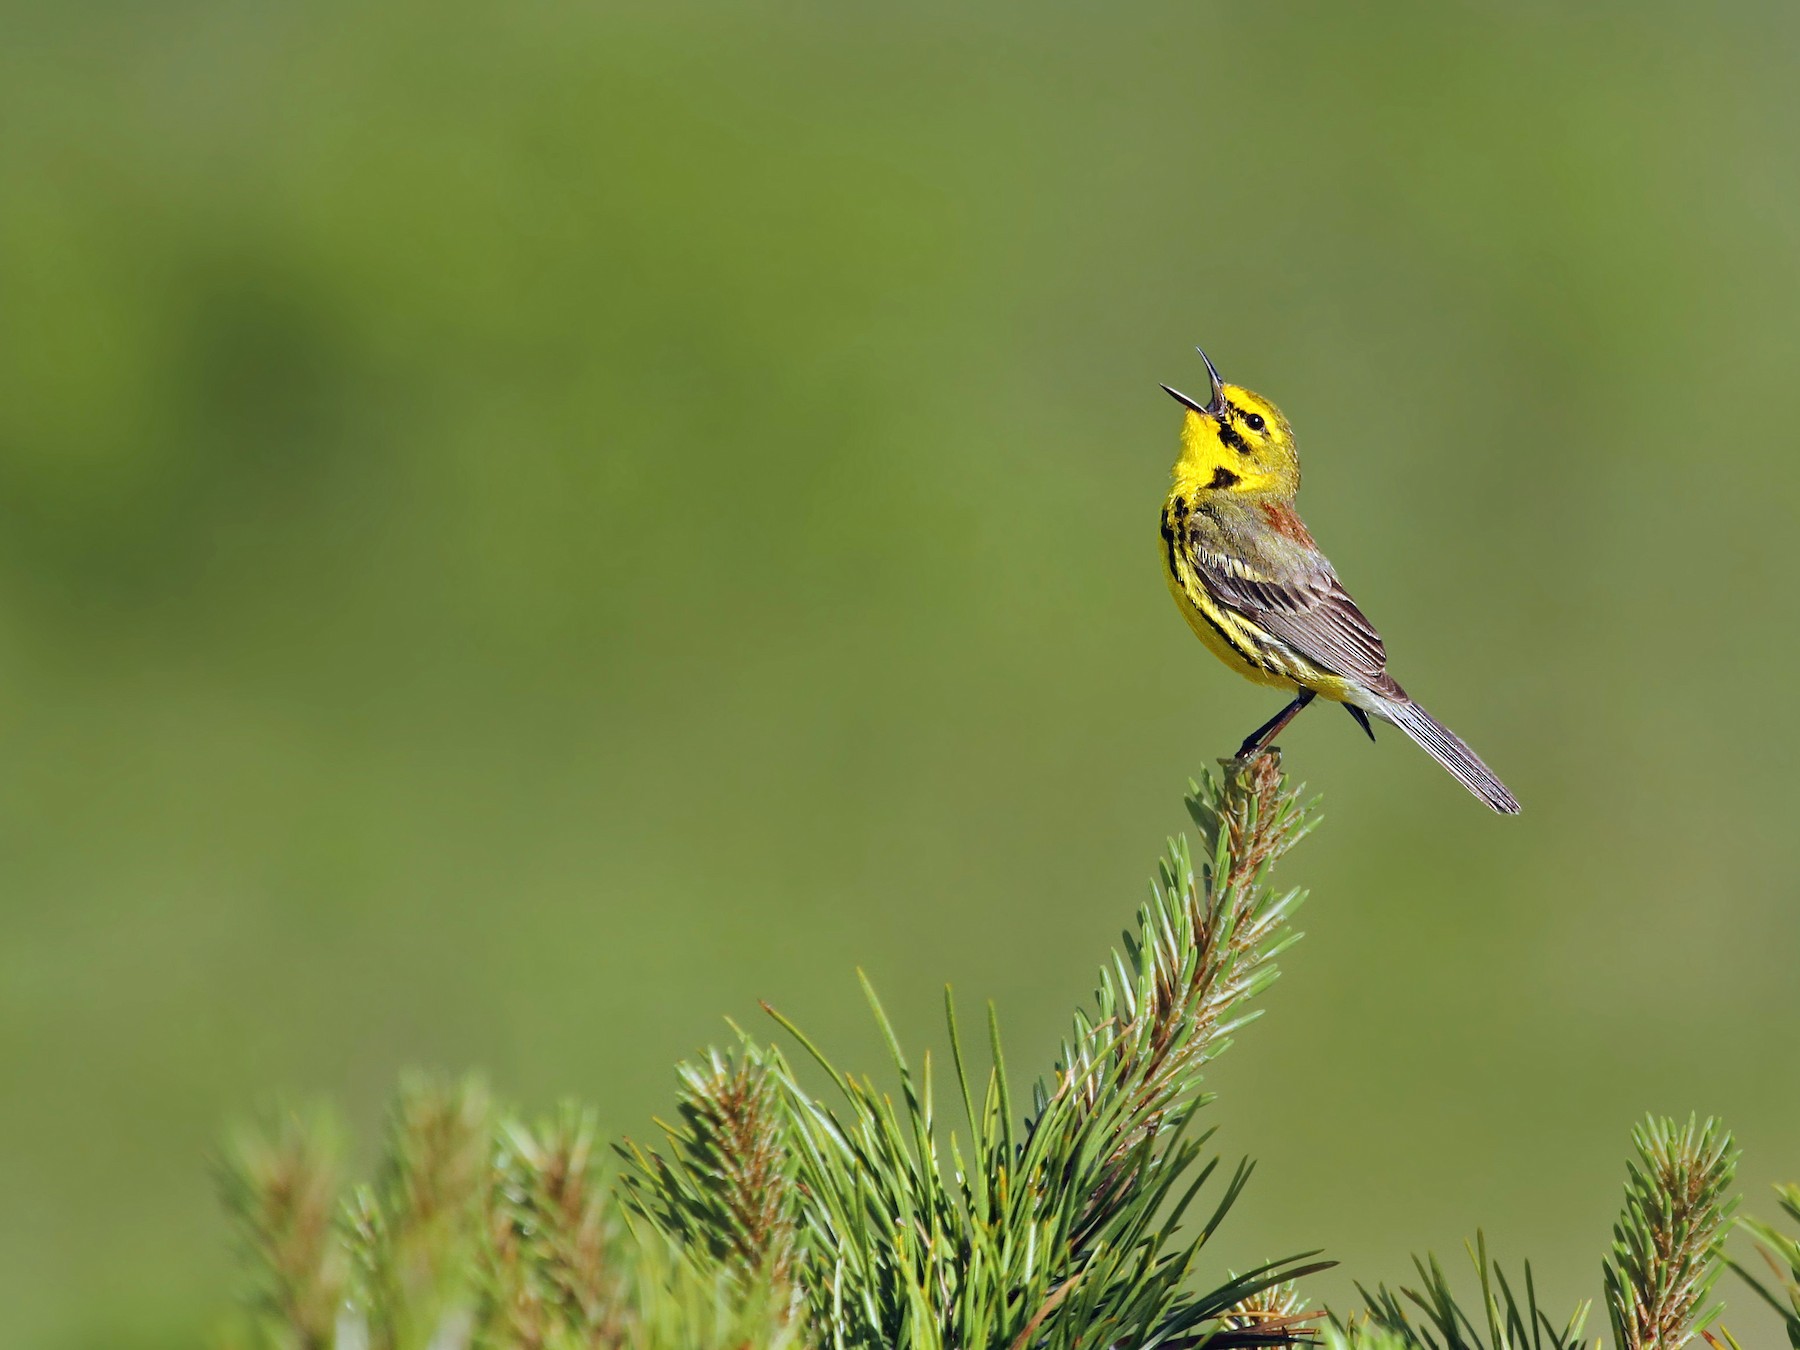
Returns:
<point x="1781" y="1253"/>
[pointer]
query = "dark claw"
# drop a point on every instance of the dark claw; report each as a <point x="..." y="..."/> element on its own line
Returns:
<point x="1264" y="736"/>
<point x="1362" y="719"/>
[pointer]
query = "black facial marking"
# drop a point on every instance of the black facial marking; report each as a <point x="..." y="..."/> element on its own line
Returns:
<point x="1224" y="478"/>
<point x="1229" y="435"/>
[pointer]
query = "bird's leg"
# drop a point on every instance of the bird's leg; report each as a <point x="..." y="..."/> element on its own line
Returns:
<point x="1264" y="736"/>
<point x="1362" y="719"/>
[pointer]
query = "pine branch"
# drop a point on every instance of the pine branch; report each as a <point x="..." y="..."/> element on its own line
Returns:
<point x="1272" y="1316"/>
<point x="726" y="1189"/>
<point x="549" y="1274"/>
<point x="1054" y="1230"/>
<point x="1667" y="1243"/>
<point x="1781" y="1253"/>
<point x="1666" y="1250"/>
<point x="412" y="1233"/>
<point x="1506" y="1322"/>
<point x="1204" y="947"/>
<point x="1065" y="1229"/>
<point x="868" y="1225"/>
<point x="480" y="1233"/>
<point x="280" y="1185"/>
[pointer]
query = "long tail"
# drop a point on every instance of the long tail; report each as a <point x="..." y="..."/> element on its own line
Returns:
<point x="1438" y="741"/>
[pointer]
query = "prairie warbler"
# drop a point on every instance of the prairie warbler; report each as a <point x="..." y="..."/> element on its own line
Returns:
<point x="1259" y="593"/>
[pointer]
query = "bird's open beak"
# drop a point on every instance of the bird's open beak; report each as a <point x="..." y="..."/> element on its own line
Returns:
<point x="1212" y="409"/>
<point x="1187" y="402"/>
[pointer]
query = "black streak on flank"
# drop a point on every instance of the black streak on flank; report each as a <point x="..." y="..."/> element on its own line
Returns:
<point x="1180" y="507"/>
<point x="1224" y="478"/>
<point x="1168" y="530"/>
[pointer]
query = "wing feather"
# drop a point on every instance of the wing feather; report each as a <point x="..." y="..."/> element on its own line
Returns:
<point x="1306" y="607"/>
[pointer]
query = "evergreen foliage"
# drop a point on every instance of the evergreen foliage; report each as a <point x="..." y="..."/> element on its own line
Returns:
<point x="1781" y="1253"/>
<point x="482" y="1230"/>
<point x="1073" y="1215"/>
<point x="280" y="1186"/>
<point x="1505" y="1323"/>
<point x="1667" y="1243"/>
<point x="1665" y="1258"/>
<point x="1064" y="1228"/>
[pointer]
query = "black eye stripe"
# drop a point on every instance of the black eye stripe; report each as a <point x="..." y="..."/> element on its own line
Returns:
<point x="1252" y="420"/>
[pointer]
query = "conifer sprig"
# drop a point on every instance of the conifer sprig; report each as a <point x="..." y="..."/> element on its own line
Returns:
<point x="280" y="1188"/>
<point x="413" y="1231"/>
<point x="1506" y="1320"/>
<point x="1064" y="1227"/>
<point x="481" y="1232"/>
<point x="547" y="1265"/>
<point x="1781" y="1253"/>
<point x="1668" y="1241"/>
<point x="725" y="1189"/>
<point x="867" y="1221"/>
<point x="776" y="1220"/>
<point x="1666" y="1255"/>
<point x="1280" y="1308"/>
<point x="1205" y="945"/>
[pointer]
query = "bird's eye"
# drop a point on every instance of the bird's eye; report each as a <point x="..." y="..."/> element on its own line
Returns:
<point x="1254" y="421"/>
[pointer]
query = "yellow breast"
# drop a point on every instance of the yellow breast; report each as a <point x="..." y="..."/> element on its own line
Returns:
<point x="1227" y="634"/>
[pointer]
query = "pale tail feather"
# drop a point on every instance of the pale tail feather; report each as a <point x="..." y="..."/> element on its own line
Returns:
<point x="1438" y="741"/>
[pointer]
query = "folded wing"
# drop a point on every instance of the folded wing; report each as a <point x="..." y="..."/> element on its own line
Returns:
<point x="1306" y="607"/>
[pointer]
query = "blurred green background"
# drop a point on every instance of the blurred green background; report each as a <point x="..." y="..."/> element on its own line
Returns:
<point x="529" y="528"/>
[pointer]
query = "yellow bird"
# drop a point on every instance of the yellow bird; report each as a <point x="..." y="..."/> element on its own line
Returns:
<point x="1258" y="592"/>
